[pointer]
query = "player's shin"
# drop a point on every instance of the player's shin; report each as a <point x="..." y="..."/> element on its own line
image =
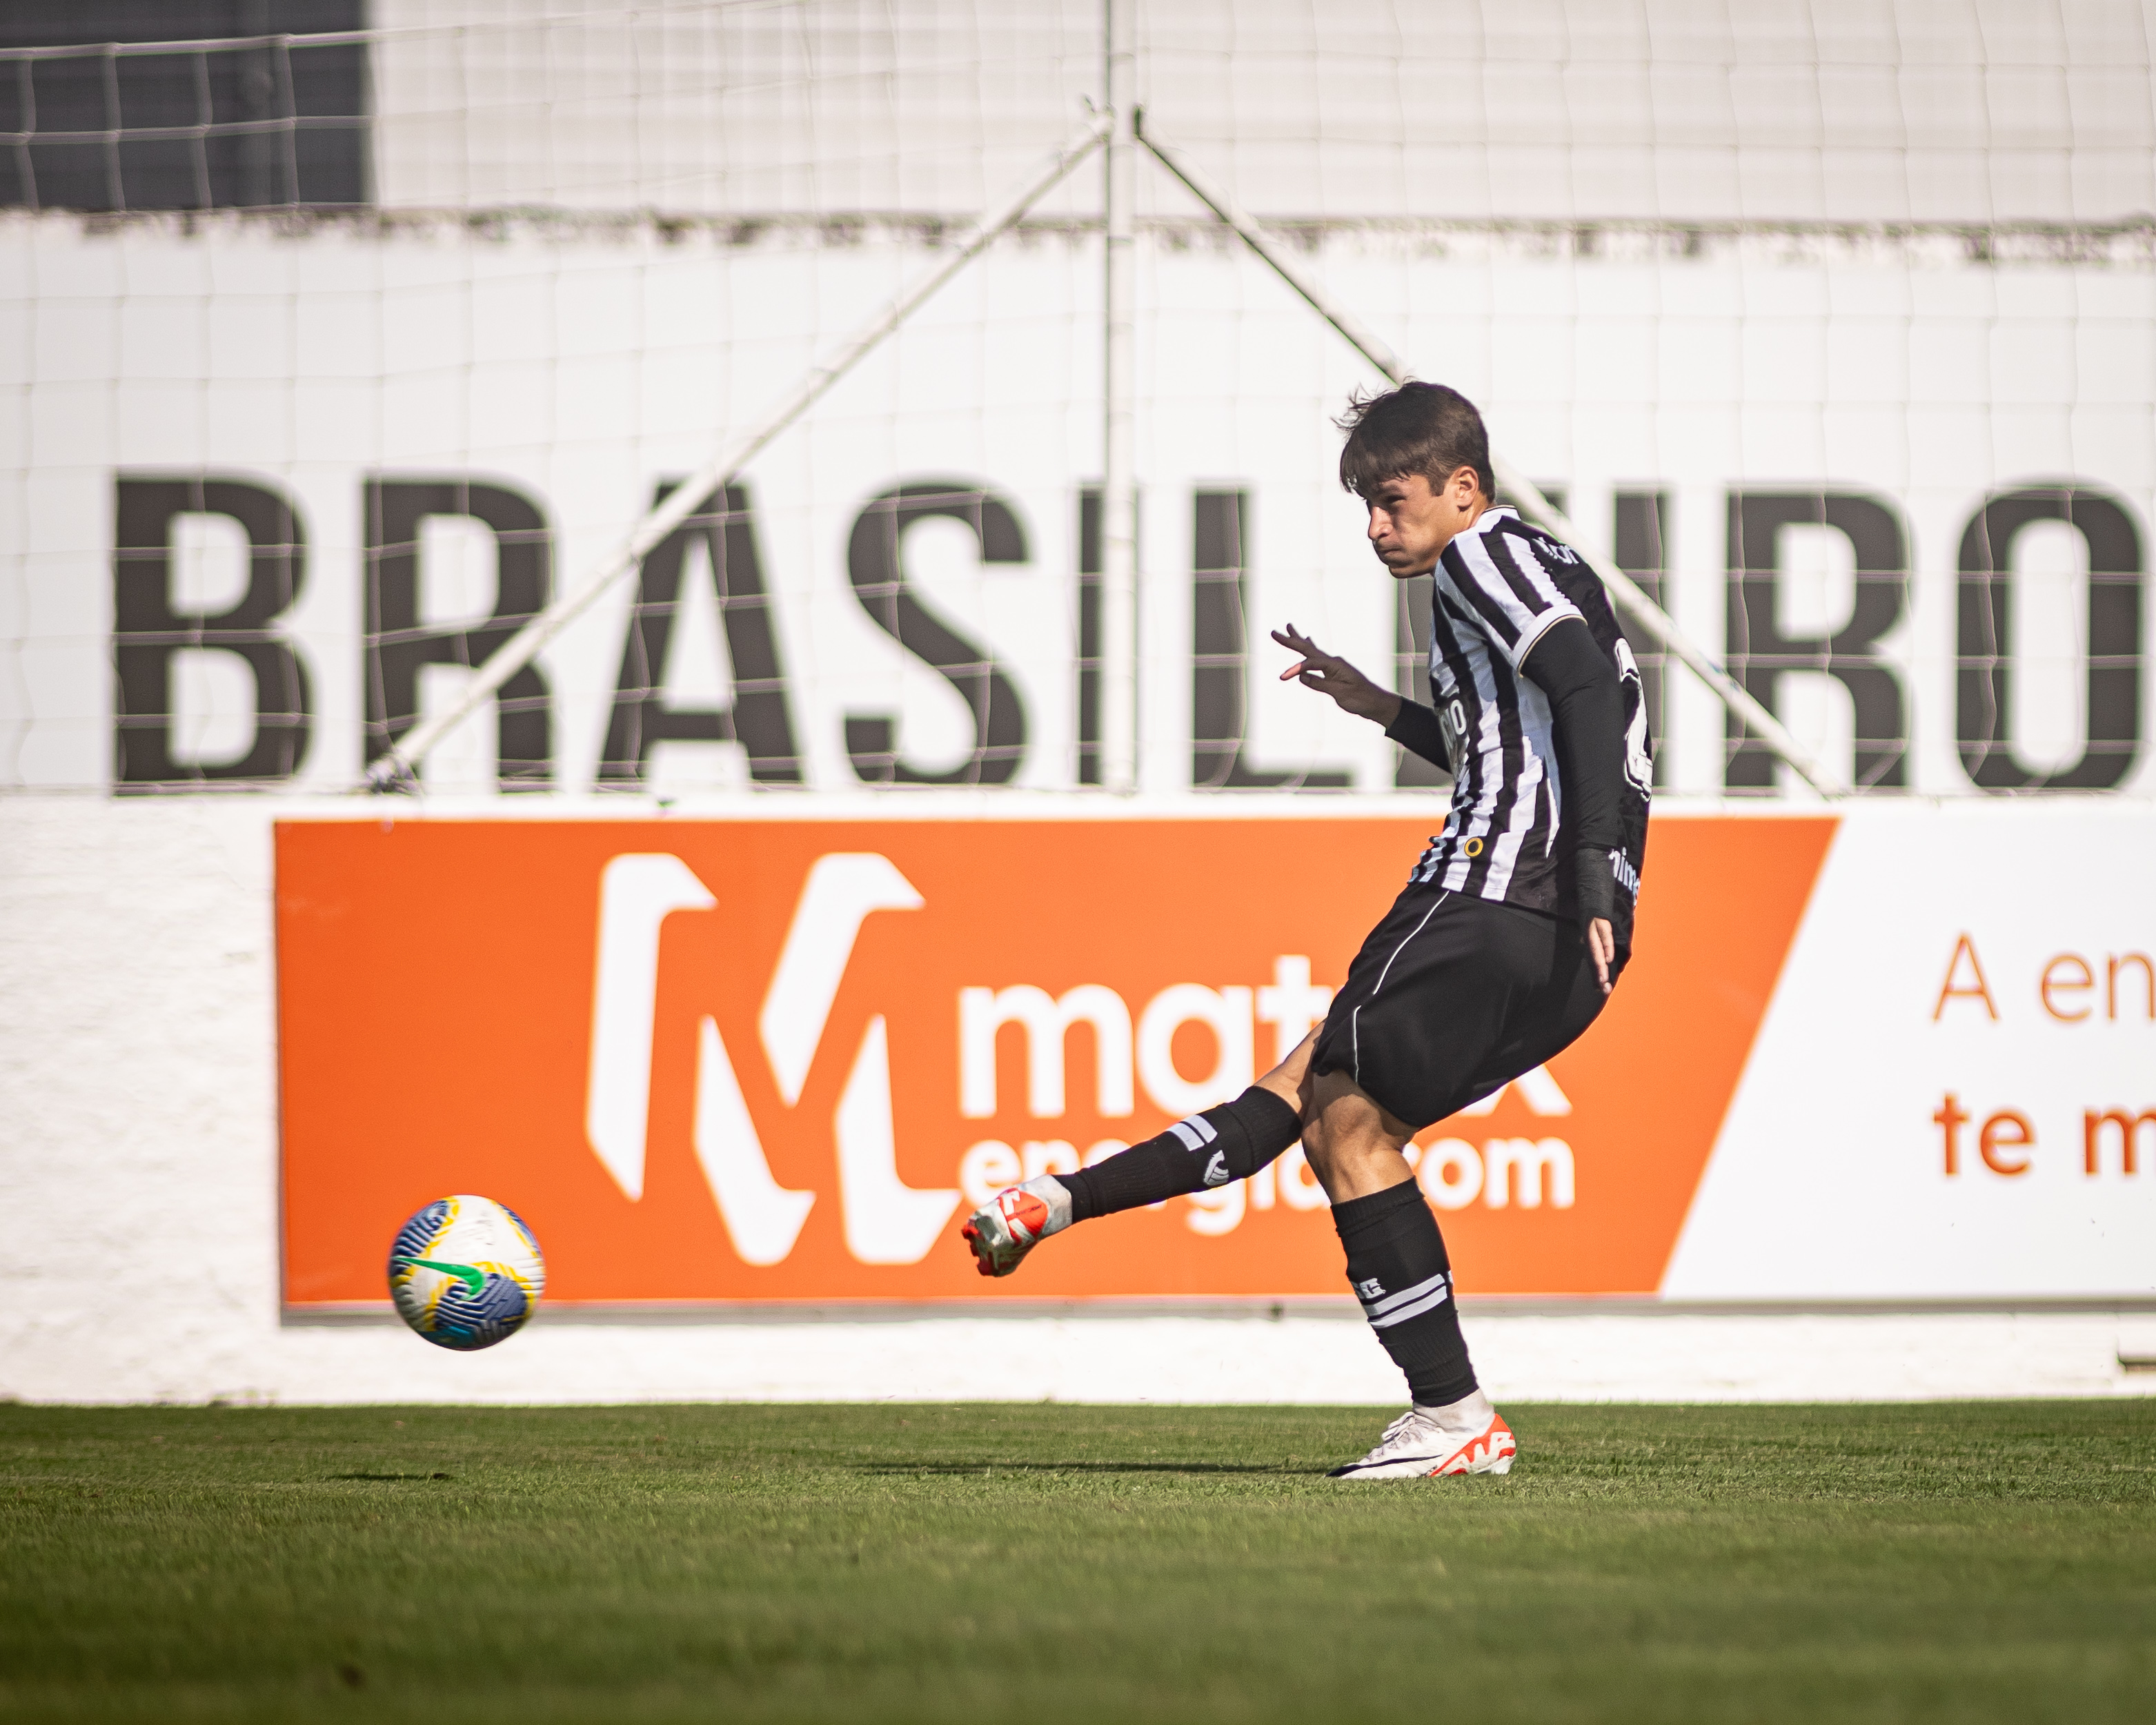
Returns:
<point x="1396" y="1263"/>
<point x="1231" y="1142"/>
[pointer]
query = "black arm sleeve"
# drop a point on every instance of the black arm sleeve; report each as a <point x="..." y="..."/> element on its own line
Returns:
<point x="1588" y="703"/>
<point x="1416" y="729"/>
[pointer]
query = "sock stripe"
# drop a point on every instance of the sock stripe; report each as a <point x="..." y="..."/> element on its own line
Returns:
<point x="1391" y="1241"/>
<point x="1241" y="1138"/>
<point x="1196" y="1132"/>
<point x="1420" y="1306"/>
<point x="1391" y="1302"/>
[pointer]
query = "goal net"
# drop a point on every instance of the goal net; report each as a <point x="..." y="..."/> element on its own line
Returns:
<point x="349" y="339"/>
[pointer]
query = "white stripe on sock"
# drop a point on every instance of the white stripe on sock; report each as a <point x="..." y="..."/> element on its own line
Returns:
<point x="1196" y="1132"/>
<point x="1386" y="1304"/>
<point x="1406" y="1313"/>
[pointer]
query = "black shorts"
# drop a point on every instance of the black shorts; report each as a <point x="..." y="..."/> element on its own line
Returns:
<point x="1452" y="996"/>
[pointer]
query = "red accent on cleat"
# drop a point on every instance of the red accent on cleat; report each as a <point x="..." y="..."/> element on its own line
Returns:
<point x="1025" y="1215"/>
<point x="1491" y="1452"/>
<point x="1005" y="1230"/>
<point x="1414" y="1446"/>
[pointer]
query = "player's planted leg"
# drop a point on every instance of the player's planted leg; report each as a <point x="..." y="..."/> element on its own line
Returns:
<point x="1398" y="1267"/>
<point x="1230" y="1141"/>
<point x="1397" y="1262"/>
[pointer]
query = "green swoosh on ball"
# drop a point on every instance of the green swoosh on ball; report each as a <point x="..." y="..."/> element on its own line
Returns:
<point x="473" y="1280"/>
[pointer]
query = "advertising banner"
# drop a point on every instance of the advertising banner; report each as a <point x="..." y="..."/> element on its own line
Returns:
<point x="777" y="1061"/>
<point x="1952" y="1095"/>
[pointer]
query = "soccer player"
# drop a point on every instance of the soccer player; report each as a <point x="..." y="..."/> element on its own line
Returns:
<point x="1513" y="928"/>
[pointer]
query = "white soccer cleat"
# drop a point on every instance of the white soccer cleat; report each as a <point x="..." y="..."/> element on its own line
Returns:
<point x="1014" y="1222"/>
<point x="1416" y="1447"/>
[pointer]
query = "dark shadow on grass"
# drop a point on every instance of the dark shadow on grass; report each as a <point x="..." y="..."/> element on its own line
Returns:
<point x="386" y="1478"/>
<point x="960" y="1470"/>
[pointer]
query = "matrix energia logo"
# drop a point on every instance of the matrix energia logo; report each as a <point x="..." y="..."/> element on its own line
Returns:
<point x="886" y="1221"/>
<point x="773" y="1059"/>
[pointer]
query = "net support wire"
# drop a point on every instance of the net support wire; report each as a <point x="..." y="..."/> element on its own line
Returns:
<point x="1630" y="599"/>
<point x="1118" y="642"/>
<point x="397" y="766"/>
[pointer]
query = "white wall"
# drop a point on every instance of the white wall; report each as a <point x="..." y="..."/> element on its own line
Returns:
<point x="139" y="1218"/>
<point x="1892" y="247"/>
<point x="582" y="370"/>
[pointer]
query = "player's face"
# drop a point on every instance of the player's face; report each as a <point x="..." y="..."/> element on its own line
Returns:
<point x="1411" y="523"/>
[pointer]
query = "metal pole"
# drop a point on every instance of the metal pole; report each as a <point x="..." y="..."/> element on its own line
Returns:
<point x="1652" y="621"/>
<point x="397" y="765"/>
<point x="1119" y="546"/>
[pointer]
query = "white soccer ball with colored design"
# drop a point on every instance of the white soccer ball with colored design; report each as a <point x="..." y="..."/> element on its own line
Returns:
<point x="465" y="1272"/>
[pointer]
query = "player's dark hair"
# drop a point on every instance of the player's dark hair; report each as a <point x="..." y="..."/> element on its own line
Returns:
<point x="1419" y="428"/>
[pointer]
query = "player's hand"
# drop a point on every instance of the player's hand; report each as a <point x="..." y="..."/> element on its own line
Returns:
<point x="1331" y="676"/>
<point x="1602" y="947"/>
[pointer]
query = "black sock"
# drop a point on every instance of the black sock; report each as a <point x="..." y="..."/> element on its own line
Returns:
<point x="1229" y="1142"/>
<point x="1396" y="1261"/>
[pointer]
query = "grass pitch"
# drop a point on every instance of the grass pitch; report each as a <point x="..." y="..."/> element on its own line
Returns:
<point x="1947" y="1562"/>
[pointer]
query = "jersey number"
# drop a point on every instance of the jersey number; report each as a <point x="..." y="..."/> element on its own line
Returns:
<point x="1453" y="719"/>
<point x="1639" y="758"/>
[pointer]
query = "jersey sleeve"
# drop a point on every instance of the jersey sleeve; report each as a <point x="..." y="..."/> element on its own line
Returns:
<point x="1500" y="579"/>
<point x="1586" y="709"/>
<point x="1419" y="731"/>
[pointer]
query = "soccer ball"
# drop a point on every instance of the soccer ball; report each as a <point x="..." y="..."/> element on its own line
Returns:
<point x="465" y="1272"/>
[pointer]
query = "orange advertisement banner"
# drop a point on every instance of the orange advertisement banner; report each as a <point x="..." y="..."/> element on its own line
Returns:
<point x="712" y="1061"/>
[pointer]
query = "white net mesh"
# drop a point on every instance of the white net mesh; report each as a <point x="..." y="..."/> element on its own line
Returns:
<point x="335" y="358"/>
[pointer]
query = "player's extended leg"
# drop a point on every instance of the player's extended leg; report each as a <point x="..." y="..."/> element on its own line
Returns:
<point x="1398" y="1267"/>
<point x="1230" y="1141"/>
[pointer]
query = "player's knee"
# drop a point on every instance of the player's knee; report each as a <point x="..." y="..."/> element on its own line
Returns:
<point x="1318" y="1148"/>
<point x="1349" y="1138"/>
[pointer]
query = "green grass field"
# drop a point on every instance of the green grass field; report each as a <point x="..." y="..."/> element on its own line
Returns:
<point x="1949" y="1562"/>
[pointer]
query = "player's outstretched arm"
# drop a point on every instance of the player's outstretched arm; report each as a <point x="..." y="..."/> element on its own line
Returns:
<point x="1408" y="723"/>
<point x="1587" y="706"/>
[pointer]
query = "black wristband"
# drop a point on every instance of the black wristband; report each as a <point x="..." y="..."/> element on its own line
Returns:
<point x="1596" y="880"/>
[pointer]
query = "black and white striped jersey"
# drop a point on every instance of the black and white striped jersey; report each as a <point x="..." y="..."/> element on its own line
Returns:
<point x="1498" y="590"/>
